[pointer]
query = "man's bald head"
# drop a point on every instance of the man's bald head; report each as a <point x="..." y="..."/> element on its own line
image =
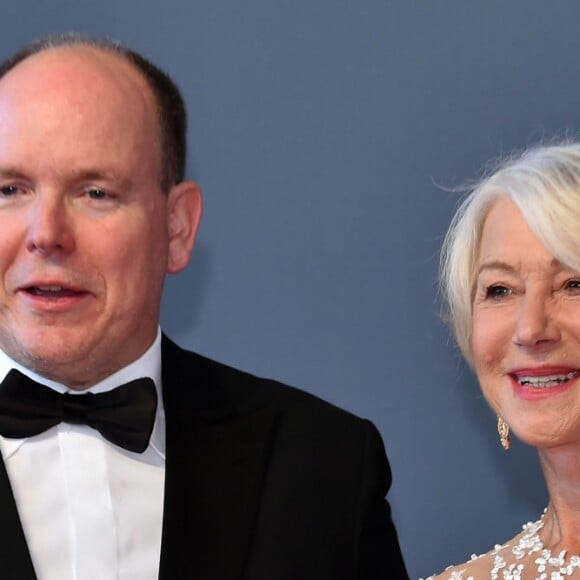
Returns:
<point x="171" y="113"/>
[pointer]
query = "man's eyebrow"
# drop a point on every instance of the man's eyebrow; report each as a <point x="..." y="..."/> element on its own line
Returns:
<point x="97" y="175"/>
<point x="10" y="172"/>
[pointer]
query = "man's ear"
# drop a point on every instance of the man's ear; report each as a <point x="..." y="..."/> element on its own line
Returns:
<point x="184" y="208"/>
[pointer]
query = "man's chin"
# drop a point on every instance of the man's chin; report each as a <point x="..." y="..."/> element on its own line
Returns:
<point x="54" y="356"/>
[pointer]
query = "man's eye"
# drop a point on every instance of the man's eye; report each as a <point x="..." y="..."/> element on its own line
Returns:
<point x="96" y="193"/>
<point x="497" y="291"/>
<point x="9" y="190"/>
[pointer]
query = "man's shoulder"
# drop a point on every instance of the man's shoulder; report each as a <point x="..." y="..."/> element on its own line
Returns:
<point x="313" y="431"/>
<point x="219" y="381"/>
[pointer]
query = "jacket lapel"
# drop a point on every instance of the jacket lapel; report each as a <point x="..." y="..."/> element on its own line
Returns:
<point x="216" y="462"/>
<point x="15" y="561"/>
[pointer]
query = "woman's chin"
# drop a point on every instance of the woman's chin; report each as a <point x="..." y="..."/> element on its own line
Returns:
<point x="547" y="436"/>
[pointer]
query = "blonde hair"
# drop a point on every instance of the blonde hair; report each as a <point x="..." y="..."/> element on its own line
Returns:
<point x="544" y="183"/>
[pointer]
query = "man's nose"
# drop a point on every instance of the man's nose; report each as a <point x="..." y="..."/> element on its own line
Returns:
<point x="536" y="326"/>
<point x="50" y="229"/>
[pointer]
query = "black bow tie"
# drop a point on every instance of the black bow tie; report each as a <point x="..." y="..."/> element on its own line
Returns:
<point x="124" y="416"/>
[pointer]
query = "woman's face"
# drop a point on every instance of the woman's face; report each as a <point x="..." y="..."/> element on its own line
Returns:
<point x="526" y="331"/>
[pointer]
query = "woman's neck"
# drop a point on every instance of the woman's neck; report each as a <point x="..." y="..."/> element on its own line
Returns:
<point x="561" y="467"/>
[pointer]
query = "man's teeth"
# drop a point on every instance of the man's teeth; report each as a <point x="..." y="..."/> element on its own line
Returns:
<point x="547" y="381"/>
<point x="52" y="291"/>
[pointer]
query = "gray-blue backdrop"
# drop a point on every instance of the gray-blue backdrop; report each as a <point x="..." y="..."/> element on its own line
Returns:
<point x="326" y="135"/>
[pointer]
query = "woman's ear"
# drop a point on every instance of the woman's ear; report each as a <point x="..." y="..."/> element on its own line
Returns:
<point x="184" y="209"/>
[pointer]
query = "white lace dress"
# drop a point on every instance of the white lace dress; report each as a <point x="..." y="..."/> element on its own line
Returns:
<point x="522" y="558"/>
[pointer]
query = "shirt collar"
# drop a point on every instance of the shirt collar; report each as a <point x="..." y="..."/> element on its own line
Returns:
<point x="147" y="365"/>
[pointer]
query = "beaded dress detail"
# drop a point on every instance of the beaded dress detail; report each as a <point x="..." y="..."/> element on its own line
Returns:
<point x="523" y="558"/>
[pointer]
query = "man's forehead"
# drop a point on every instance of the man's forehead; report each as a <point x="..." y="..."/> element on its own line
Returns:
<point x="75" y="63"/>
<point x="86" y="103"/>
<point x="79" y="80"/>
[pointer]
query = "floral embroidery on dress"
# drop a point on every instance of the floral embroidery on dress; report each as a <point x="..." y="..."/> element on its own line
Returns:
<point x="548" y="566"/>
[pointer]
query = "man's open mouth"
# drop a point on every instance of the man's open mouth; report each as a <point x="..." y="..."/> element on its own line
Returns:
<point x="52" y="291"/>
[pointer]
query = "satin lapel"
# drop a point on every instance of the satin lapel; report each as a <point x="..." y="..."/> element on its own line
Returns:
<point x="216" y="462"/>
<point x="15" y="562"/>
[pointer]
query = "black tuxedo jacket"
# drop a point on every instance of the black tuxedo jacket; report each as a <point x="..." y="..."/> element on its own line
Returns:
<point x="262" y="482"/>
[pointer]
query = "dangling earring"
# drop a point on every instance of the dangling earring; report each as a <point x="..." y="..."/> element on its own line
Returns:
<point x="504" y="433"/>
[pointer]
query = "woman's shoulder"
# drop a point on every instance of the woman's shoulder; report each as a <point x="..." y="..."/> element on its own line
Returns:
<point x="476" y="567"/>
<point x="485" y="565"/>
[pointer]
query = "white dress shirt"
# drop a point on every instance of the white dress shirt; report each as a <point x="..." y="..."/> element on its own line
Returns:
<point x="90" y="510"/>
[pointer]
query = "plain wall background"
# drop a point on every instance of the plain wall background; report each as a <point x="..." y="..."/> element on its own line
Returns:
<point x="326" y="135"/>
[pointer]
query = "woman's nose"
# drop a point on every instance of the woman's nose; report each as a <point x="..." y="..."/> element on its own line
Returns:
<point x="535" y="326"/>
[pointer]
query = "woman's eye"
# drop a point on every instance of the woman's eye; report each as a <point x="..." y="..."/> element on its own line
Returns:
<point x="573" y="284"/>
<point x="497" y="291"/>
